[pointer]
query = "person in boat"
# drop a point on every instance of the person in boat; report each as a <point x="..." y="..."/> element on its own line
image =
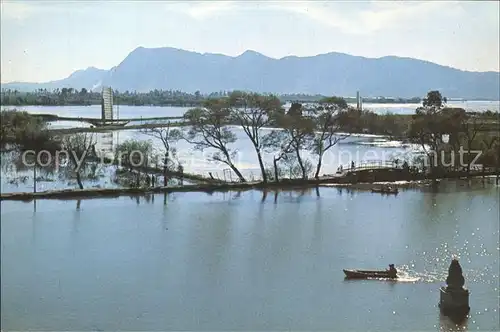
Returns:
<point x="392" y="270"/>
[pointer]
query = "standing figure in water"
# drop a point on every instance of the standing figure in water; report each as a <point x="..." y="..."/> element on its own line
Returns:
<point x="392" y="270"/>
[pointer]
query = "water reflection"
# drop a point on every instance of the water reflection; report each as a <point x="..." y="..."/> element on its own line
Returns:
<point x="289" y="255"/>
<point x="291" y="195"/>
<point x="17" y="176"/>
<point x="264" y="196"/>
<point x="450" y="324"/>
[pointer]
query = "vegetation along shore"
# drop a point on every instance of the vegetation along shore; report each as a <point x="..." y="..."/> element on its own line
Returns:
<point x="74" y="97"/>
<point x="453" y="142"/>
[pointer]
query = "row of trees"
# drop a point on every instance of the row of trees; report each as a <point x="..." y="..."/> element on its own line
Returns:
<point x="314" y="129"/>
<point x="20" y="132"/>
<point x="443" y="131"/>
<point x="71" y="96"/>
<point x="317" y="129"/>
<point x="43" y="97"/>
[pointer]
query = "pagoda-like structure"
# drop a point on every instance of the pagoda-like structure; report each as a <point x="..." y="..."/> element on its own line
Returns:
<point x="454" y="299"/>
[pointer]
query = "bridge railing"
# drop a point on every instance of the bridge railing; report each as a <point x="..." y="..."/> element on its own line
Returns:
<point x="369" y="164"/>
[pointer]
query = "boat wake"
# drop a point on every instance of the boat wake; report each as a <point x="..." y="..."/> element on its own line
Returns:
<point x="406" y="274"/>
<point x="402" y="277"/>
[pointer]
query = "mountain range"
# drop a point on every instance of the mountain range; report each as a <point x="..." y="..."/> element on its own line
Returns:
<point x="166" y="68"/>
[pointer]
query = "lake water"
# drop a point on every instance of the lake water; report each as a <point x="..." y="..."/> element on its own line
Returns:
<point x="156" y="111"/>
<point x="236" y="262"/>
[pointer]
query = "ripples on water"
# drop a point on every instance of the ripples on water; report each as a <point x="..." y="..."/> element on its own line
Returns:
<point x="435" y="271"/>
<point x="233" y="260"/>
<point x="408" y="274"/>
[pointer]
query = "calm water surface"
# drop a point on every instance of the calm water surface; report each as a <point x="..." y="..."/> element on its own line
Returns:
<point x="238" y="262"/>
<point x="155" y="111"/>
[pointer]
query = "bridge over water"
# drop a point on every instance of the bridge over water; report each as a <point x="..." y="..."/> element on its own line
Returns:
<point x="108" y="122"/>
<point x="364" y="166"/>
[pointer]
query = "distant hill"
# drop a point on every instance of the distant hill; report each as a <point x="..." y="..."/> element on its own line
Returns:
<point x="341" y="74"/>
<point x="85" y="78"/>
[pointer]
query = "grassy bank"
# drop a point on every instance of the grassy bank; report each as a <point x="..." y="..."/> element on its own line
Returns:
<point x="354" y="181"/>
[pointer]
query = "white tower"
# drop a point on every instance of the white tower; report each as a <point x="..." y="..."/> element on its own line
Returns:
<point x="359" y="101"/>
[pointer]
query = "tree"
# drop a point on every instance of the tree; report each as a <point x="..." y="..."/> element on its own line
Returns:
<point x="22" y="131"/>
<point x="253" y="112"/>
<point x="167" y="136"/>
<point x="299" y="133"/>
<point x="79" y="147"/>
<point x="327" y="124"/>
<point x="277" y="141"/>
<point x="295" y="110"/>
<point x="134" y="154"/>
<point x="490" y="145"/>
<point x="209" y="130"/>
<point x="452" y="123"/>
<point x="428" y="126"/>
<point x="470" y="127"/>
<point x="434" y="99"/>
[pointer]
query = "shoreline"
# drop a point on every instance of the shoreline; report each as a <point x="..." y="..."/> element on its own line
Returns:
<point x="284" y="185"/>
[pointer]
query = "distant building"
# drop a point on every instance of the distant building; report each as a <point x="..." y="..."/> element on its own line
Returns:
<point x="105" y="140"/>
<point x="359" y="101"/>
<point x="107" y="103"/>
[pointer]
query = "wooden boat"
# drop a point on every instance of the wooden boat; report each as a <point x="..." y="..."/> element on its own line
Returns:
<point x="385" y="190"/>
<point x="365" y="274"/>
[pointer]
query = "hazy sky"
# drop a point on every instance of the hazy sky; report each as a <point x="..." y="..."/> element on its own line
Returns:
<point x="42" y="40"/>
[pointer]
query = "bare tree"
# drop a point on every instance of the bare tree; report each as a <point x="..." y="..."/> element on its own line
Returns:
<point x="289" y="142"/>
<point x="277" y="141"/>
<point x="168" y="137"/>
<point x="300" y="133"/>
<point x="253" y="112"/>
<point x="328" y="122"/>
<point x="79" y="148"/>
<point x="470" y="127"/>
<point x="209" y="130"/>
<point x="428" y="126"/>
<point x="491" y="155"/>
<point x="136" y="155"/>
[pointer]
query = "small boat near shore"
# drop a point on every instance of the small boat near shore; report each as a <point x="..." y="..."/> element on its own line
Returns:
<point x="366" y="274"/>
<point x="386" y="190"/>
